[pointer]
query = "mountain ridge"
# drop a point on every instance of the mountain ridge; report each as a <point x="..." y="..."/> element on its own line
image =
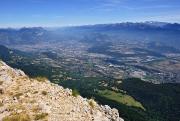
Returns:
<point x="165" y="33"/>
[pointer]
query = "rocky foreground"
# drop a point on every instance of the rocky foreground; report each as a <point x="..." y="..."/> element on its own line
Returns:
<point x="26" y="99"/>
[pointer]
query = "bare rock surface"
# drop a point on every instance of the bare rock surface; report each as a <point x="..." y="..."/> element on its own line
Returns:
<point x="26" y="99"/>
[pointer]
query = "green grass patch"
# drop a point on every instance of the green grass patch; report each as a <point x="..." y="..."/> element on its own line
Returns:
<point x="120" y="98"/>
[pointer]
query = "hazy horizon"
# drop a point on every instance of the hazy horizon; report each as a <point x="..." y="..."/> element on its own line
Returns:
<point x="16" y="27"/>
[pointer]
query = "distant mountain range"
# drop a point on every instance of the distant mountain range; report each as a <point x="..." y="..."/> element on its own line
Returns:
<point x="22" y="36"/>
<point x="129" y="25"/>
<point x="166" y="33"/>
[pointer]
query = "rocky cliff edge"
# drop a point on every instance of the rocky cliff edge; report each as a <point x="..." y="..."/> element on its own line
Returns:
<point x="26" y="99"/>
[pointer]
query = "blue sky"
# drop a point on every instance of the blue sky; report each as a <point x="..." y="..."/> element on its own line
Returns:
<point x="19" y="13"/>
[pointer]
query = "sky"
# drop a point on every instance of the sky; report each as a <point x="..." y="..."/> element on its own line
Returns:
<point x="55" y="13"/>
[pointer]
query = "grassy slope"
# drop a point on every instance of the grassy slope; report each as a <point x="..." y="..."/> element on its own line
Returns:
<point x="160" y="100"/>
<point x="120" y="98"/>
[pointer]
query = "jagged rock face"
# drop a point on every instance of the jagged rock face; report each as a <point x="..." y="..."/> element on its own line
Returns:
<point x="25" y="99"/>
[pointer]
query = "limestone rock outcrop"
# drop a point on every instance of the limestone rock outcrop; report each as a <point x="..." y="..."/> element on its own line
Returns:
<point x="26" y="99"/>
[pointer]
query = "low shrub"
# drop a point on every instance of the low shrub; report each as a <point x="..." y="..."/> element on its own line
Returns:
<point x="41" y="79"/>
<point x="1" y="82"/>
<point x="40" y="116"/>
<point x="17" y="95"/>
<point x="44" y="92"/>
<point x="1" y="104"/>
<point x="92" y="103"/>
<point x="75" y="92"/>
